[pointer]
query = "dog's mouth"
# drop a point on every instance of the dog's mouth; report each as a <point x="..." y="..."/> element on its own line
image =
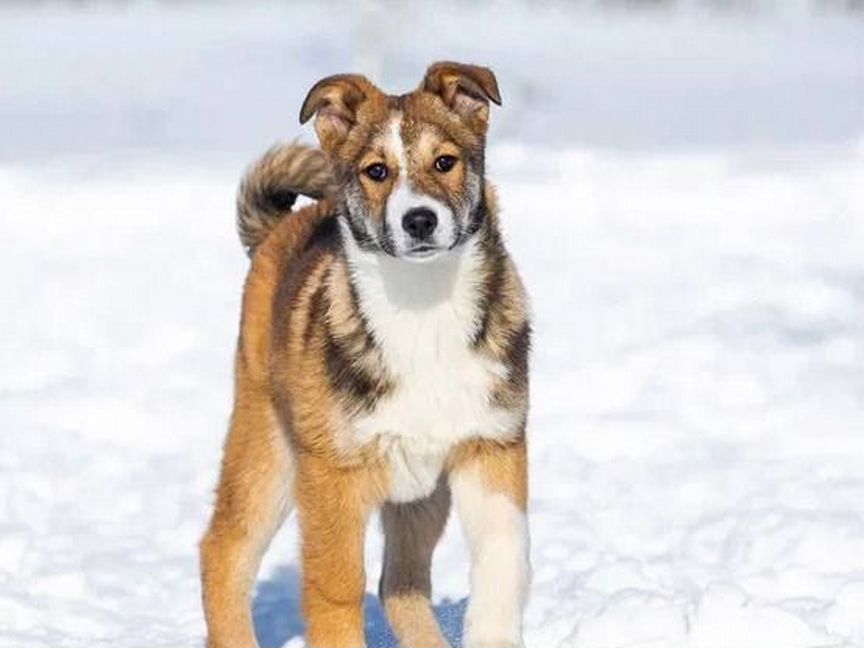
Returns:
<point x="423" y="252"/>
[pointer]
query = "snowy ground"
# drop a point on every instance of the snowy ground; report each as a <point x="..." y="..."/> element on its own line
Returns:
<point x="687" y="209"/>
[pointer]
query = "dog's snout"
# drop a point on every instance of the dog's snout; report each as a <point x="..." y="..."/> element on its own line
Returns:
<point x="420" y="222"/>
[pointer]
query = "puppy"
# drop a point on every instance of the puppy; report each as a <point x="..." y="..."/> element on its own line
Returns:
<point x="382" y="364"/>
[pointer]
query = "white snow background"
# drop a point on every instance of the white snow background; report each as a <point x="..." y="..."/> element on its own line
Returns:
<point x="683" y="192"/>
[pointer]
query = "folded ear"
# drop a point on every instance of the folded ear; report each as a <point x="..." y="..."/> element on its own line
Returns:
<point x="466" y="89"/>
<point x="334" y="101"/>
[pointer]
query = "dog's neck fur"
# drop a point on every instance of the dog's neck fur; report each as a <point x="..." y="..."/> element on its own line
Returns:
<point x="424" y="318"/>
<point x="388" y="286"/>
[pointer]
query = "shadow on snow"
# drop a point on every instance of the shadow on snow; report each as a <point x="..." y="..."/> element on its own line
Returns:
<point x="276" y="611"/>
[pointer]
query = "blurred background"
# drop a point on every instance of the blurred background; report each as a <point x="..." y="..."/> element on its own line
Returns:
<point x="682" y="186"/>
<point x="186" y="78"/>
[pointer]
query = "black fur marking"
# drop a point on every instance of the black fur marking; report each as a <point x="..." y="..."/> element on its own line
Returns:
<point x="352" y="380"/>
<point x="359" y="233"/>
<point x="369" y="342"/>
<point x="516" y="358"/>
<point x="317" y="312"/>
<point x="345" y="370"/>
<point x="477" y="217"/>
<point x="325" y="234"/>
<point x="277" y="199"/>
<point x="490" y="296"/>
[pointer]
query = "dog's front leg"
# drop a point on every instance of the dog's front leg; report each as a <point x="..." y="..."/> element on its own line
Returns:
<point x="334" y="505"/>
<point x="489" y="485"/>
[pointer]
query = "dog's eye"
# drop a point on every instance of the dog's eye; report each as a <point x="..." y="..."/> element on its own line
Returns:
<point x="377" y="171"/>
<point x="444" y="163"/>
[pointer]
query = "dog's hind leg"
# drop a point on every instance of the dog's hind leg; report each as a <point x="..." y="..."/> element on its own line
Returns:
<point x="255" y="494"/>
<point x="411" y="532"/>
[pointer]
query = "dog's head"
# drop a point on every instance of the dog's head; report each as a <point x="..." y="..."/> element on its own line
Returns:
<point x="410" y="167"/>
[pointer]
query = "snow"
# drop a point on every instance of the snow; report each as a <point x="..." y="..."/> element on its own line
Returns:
<point x="684" y="195"/>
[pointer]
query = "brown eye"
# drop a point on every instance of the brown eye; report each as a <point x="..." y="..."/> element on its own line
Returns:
<point x="444" y="163"/>
<point x="377" y="171"/>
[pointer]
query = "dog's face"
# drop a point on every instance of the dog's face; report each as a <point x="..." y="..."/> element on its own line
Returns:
<point x="410" y="167"/>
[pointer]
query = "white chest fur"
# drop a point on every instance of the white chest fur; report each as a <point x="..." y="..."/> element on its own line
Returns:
<point x="423" y="316"/>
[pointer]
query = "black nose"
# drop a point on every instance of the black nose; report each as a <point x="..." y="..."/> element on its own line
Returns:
<point x="419" y="222"/>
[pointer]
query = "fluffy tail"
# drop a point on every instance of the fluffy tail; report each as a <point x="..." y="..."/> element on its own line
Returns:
<point x="271" y="186"/>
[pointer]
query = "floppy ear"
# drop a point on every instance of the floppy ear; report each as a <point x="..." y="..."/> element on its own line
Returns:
<point x="334" y="101"/>
<point x="466" y="89"/>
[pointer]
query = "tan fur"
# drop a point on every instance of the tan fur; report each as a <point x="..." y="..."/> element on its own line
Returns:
<point x="413" y="622"/>
<point x="306" y="365"/>
<point x="285" y="171"/>
<point x="503" y="467"/>
<point x="477" y="84"/>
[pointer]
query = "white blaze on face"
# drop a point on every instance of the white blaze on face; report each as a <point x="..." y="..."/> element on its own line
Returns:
<point x="405" y="198"/>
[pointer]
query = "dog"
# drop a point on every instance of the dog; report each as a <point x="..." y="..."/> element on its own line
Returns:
<point x="382" y="364"/>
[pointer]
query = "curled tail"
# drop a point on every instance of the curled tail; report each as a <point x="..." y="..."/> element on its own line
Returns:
<point x="271" y="186"/>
